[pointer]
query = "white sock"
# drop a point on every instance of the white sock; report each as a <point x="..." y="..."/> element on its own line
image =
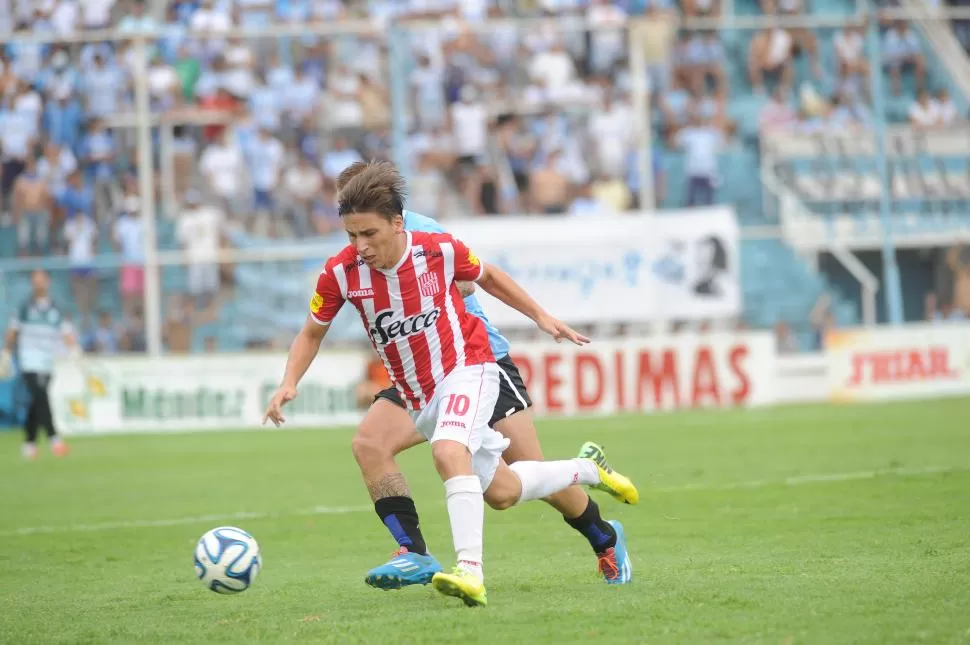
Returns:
<point x="543" y="478"/>
<point x="466" y="510"/>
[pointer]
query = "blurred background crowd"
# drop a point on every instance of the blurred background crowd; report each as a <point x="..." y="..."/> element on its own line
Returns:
<point x="499" y="117"/>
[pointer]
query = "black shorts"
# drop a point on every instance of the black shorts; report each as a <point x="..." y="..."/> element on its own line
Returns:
<point x="512" y="395"/>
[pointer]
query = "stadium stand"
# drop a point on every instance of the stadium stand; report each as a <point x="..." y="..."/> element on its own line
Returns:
<point x="501" y="119"/>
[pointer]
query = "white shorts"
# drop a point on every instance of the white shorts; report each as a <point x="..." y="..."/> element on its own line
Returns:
<point x="460" y="411"/>
<point x="203" y="279"/>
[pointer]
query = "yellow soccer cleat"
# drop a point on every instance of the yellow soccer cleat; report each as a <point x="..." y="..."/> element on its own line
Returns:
<point x="612" y="482"/>
<point x="461" y="584"/>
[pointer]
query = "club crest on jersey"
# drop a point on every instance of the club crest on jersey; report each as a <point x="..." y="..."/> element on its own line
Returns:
<point x="385" y="331"/>
<point x="473" y="259"/>
<point x="429" y="284"/>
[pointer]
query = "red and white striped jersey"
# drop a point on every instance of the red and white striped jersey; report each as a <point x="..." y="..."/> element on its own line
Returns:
<point x="413" y="312"/>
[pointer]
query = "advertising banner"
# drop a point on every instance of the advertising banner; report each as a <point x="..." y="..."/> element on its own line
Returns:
<point x="653" y="374"/>
<point x="682" y="265"/>
<point x="98" y="395"/>
<point x="911" y="362"/>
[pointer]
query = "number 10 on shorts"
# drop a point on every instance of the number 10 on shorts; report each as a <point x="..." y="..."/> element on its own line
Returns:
<point x="457" y="404"/>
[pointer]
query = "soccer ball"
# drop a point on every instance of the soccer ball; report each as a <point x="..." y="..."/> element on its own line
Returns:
<point x="227" y="560"/>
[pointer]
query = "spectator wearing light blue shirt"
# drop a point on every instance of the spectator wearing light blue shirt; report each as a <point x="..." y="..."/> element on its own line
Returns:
<point x="675" y="107"/>
<point x="704" y="59"/>
<point x="103" y="85"/>
<point x="266" y="166"/>
<point x="137" y="21"/>
<point x="301" y="96"/>
<point x="585" y="204"/>
<point x="76" y="197"/>
<point x="701" y="143"/>
<point x="58" y="76"/>
<point x="98" y="151"/>
<point x="62" y="119"/>
<point x="338" y="157"/>
<point x="266" y="104"/>
<point x="901" y="50"/>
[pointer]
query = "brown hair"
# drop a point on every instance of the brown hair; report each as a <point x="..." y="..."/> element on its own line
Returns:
<point x="371" y="187"/>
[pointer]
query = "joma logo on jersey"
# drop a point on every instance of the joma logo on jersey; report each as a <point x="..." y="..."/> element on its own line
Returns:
<point x="360" y="293"/>
<point x="385" y="331"/>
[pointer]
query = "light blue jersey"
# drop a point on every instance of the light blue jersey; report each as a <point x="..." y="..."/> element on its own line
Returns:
<point x="424" y="224"/>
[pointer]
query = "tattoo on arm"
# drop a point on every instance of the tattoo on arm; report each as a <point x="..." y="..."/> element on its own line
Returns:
<point x="393" y="485"/>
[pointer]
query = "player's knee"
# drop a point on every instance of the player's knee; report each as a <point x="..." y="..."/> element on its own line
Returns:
<point x="368" y="448"/>
<point x="451" y="459"/>
<point x="501" y="502"/>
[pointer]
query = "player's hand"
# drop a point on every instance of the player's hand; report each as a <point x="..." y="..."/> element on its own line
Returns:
<point x="560" y="331"/>
<point x="274" y="411"/>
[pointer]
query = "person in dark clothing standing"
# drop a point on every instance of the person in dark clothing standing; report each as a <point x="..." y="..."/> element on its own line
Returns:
<point x="37" y="332"/>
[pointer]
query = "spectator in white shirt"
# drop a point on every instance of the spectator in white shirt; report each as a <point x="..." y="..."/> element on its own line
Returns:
<point x="469" y="118"/>
<point x="948" y="109"/>
<point x="224" y="170"/>
<point x="608" y="39"/>
<point x="81" y="234"/>
<point x="771" y="53"/>
<point x="199" y="231"/>
<point x="554" y="68"/>
<point x="56" y="166"/>
<point x="129" y="240"/>
<point x="428" y="188"/>
<point x="64" y="17"/>
<point x="701" y="143"/>
<point x="96" y="14"/>
<point x="301" y="96"/>
<point x="302" y="184"/>
<point x="210" y="19"/>
<point x="924" y="113"/>
<point x="609" y="130"/>
<point x="901" y="51"/>
<point x="850" y="45"/>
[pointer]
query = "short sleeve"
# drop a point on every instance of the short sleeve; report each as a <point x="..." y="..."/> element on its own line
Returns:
<point x="327" y="300"/>
<point x="468" y="268"/>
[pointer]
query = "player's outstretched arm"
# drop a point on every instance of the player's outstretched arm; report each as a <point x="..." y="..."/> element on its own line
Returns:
<point x="304" y="349"/>
<point x="500" y="284"/>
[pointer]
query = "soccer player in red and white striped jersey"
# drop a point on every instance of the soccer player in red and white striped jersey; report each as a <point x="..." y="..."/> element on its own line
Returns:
<point x="403" y="285"/>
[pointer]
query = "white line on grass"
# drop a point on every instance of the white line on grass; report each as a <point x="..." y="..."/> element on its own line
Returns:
<point x="821" y="478"/>
<point x="798" y="480"/>
<point x="179" y="521"/>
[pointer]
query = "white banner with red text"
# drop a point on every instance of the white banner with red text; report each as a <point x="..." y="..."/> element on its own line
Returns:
<point x="682" y="265"/>
<point x="102" y="395"/>
<point x="910" y="362"/>
<point x="650" y="374"/>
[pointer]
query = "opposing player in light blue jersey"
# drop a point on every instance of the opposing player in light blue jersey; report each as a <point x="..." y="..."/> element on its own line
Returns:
<point x="387" y="430"/>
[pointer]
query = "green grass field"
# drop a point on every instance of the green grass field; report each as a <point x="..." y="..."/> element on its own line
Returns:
<point x="796" y="525"/>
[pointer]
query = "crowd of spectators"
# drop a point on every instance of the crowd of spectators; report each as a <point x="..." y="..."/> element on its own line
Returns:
<point x="499" y="119"/>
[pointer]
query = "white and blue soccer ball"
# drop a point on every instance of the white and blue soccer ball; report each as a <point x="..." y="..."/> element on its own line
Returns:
<point x="227" y="560"/>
